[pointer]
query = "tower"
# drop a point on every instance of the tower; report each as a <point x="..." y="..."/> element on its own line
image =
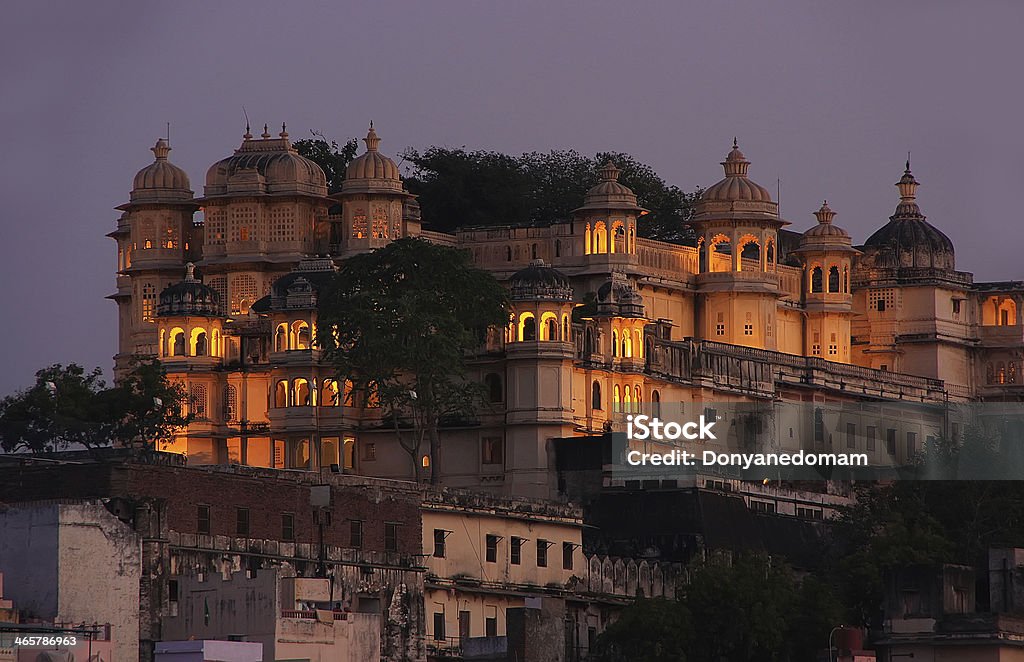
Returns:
<point x="540" y="355"/>
<point x="737" y="226"/>
<point x="907" y="283"/>
<point x="608" y="218"/>
<point x="155" y="235"/>
<point x="375" y="207"/>
<point x="827" y="255"/>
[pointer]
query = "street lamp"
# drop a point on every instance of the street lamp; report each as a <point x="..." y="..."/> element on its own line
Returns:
<point x="830" y="635"/>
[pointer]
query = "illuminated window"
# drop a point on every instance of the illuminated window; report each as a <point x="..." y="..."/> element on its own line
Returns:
<point x="243" y="293"/>
<point x="492" y="450"/>
<point x="148" y="302"/>
<point x="380" y="223"/>
<point x="230" y="403"/>
<point x="359" y="228"/>
<point x="197" y="400"/>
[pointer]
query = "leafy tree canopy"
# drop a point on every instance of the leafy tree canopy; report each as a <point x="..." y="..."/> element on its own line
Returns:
<point x="68" y="407"/>
<point x="332" y="158"/>
<point x="750" y="608"/>
<point x="459" y="188"/>
<point x="402" y="319"/>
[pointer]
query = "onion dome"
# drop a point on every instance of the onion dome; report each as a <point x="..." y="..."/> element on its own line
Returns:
<point x="617" y="297"/>
<point x="736" y="185"/>
<point x="265" y="166"/>
<point x="908" y="240"/>
<point x="372" y="170"/>
<point x="609" y="193"/>
<point x="189" y="298"/>
<point x="540" y="281"/>
<point x="825" y="235"/>
<point x="161" y="181"/>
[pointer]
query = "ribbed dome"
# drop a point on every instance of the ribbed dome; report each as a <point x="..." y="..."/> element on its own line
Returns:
<point x="374" y="166"/>
<point x="609" y="193"/>
<point x="540" y="281"/>
<point x="161" y="181"/>
<point x="736" y="185"/>
<point x="825" y="230"/>
<point x="908" y="240"/>
<point x="267" y="165"/>
<point x="189" y="297"/>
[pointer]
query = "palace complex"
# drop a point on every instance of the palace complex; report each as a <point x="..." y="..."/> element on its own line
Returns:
<point x="222" y="288"/>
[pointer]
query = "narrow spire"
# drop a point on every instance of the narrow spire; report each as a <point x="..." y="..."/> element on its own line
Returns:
<point x="266" y="132"/>
<point x="284" y="130"/>
<point x="248" y="132"/>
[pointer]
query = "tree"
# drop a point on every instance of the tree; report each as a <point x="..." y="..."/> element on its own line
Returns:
<point x="70" y="408"/>
<point x="458" y="188"/>
<point x="331" y="158"/>
<point x="398" y="323"/>
<point x="746" y="607"/>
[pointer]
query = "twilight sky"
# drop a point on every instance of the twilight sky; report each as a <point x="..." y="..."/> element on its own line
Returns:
<point x="827" y="97"/>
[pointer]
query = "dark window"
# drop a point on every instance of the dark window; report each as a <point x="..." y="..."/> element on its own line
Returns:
<point x="911" y="444"/>
<point x="172" y="590"/>
<point x="890" y="441"/>
<point x="816" y="280"/>
<point x="491" y="626"/>
<point x="567" y="553"/>
<point x="491" y="450"/>
<point x="881" y="305"/>
<point x="242" y="521"/>
<point x="355" y="534"/>
<point x="529" y="329"/>
<point x="819" y="425"/>
<point x="869" y="432"/>
<point x="494" y="390"/>
<point x="956" y="306"/>
<point x="439" y="626"/>
<point x="596" y="396"/>
<point x="203" y="519"/>
<point x="287" y="526"/>
<point x="390" y="537"/>
<point x="542" y="553"/>
<point x="833" y="279"/>
<point x="851" y="435"/>
<point x="655" y="404"/>
<point x="439" y="536"/>
<point x="516" y="551"/>
<point x="492" y="548"/>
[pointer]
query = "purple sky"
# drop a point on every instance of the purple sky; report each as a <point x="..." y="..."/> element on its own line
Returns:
<point x="826" y="96"/>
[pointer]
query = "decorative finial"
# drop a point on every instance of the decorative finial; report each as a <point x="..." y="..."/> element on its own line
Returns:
<point x="190" y="273"/>
<point x="735" y="143"/>
<point x="371" y="139"/>
<point x="284" y="130"/>
<point x="908" y="161"/>
<point x="825" y="214"/>
<point x="908" y="184"/>
<point x="735" y="163"/>
<point x="266" y="132"/>
<point x="608" y="172"/>
<point x="161" y="149"/>
<point x="248" y="133"/>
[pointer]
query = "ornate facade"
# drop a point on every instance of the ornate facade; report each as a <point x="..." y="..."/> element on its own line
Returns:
<point x="605" y="322"/>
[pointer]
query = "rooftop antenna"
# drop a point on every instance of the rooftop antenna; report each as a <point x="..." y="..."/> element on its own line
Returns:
<point x="168" y="133"/>
<point x="778" y="193"/>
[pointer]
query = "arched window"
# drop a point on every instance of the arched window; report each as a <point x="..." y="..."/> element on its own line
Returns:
<point x="616" y="399"/>
<point x="638" y="343"/>
<point x="178" y="342"/>
<point x="200" y="344"/>
<point x="300" y="335"/>
<point x="230" y="403"/>
<point x="833" y="279"/>
<point x="302" y="393"/>
<point x="655" y="404"/>
<point x="619" y="240"/>
<point x="769" y="254"/>
<point x="281" y="338"/>
<point x="565" y="329"/>
<point x="508" y="253"/>
<point x="627" y="344"/>
<point x="215" y="346"/>
<point x="329" y="394"/>
<point x="558" y="248"/>
<point x="494" y="391"/>
<point x="587" y="241"/>
<point x="627" y="399"/>
<point x="615" y="343"/>
<point x="1011" y="372"/>
<point x="552" y="329"/>
<point x="588" y="342"/>
<point x="595" y="396"/>
<point x="816" y="277"/>
<point x="533" y="252"/>
<point x="636" y="397"/>
<point x="527" y="327"/>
